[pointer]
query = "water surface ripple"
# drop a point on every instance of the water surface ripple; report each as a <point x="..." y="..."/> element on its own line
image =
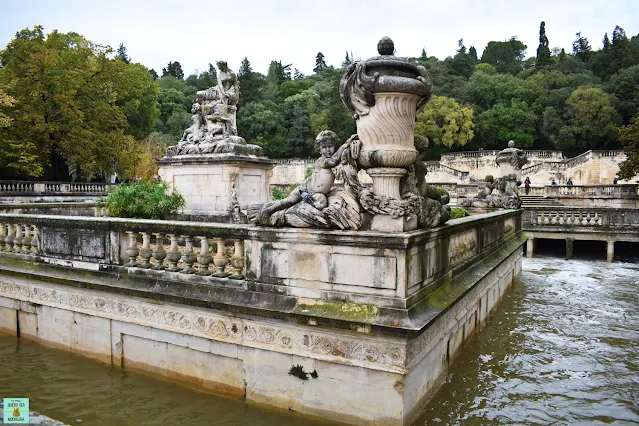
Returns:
<point x="563" y="347"/>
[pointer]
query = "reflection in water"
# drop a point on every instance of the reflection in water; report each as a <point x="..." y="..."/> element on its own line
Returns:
<point x="71" y="389"/>
<point x="563" y="347"/>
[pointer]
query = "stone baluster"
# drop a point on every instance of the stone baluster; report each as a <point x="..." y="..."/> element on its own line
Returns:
<point x="132" y="250"/>
<point x="562" y="218"/>
<point x="188" y="257"/>
<point x="204" y="259"/>
<point x="546" y="218"/>
<point x="553" y="220"/>
<point x="145" y="251"/>
<point x="584" y="221"/>
<point x="34" y="239"/>
<point x="237" y="261"/>
<point x="159" y="254"/>
<point x="26" y="241"/>
<point x="174" y="254"/>
<point x="220" y="260"/>
<point x="3" y="235"/>
<point x="17" y="240"/>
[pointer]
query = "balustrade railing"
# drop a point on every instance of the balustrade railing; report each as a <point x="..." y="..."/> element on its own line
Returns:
<point x="591" y="217"/>
<point x="207" y="249"/>
<point x="16" y="187"/>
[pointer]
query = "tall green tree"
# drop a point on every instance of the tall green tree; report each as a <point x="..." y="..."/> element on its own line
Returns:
<point x="543" y="52"/>
<point x="629" y="136"/>
<point x="581" y="48"/>
<point x="592" y="120"/>
<point x="250" y="83"/>
<point x="75" y="107"/>
<point x="122" y="54"/>
<point x="320" y="63"/>
<point x="505" y="56"/>
<point x="174" y="69"/>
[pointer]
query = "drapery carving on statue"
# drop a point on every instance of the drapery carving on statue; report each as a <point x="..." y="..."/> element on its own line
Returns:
<point x="316" y="202"/>
<point x="214" y="128"/>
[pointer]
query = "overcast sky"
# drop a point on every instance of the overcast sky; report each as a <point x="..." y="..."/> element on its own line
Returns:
<point x="293" y="31"/>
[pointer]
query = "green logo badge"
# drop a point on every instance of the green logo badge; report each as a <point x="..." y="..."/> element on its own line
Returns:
<point x="16" y="411"/>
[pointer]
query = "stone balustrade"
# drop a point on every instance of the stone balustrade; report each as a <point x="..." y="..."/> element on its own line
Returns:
<point x="573" y="217"/>
<point x="378" y="267"/>
<point x="185" y="249"/>
<point x="23" y="187"/>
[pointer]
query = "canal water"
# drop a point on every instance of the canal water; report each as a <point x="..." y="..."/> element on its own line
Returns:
<point x="563" y="347"/>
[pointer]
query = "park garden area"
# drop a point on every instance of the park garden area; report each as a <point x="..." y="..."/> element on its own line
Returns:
<point x="73" y="109"/>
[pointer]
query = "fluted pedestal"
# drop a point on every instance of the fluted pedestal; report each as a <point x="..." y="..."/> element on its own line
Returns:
<point x="386" y="182"/>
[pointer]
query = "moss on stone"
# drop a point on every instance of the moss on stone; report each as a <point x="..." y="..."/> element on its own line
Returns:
<point x="339" y="310"/>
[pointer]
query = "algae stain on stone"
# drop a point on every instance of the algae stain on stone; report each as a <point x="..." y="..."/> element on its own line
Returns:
<point x="338" y="310"/>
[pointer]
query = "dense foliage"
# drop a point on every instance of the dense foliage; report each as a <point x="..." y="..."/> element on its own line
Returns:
<point x="458" y="212"/>
<point x="68" y="104"/>
<point x="143" y="200"/>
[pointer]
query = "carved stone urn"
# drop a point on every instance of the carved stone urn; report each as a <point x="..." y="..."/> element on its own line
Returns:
<point x="510" y="161"/>
<point x="384" y="94"/>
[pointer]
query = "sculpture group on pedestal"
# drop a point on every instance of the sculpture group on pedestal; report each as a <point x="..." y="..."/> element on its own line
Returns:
<point x="214" y="129"/>
<point x="510" y="162"/>
<point x="384" y="94"/>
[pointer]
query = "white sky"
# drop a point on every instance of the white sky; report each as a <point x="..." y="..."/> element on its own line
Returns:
<point x="293" y="31"/>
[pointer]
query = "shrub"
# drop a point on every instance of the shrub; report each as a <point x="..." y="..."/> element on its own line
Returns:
<point x="457" y="212"/>
<point x="143" y="200"/>
<point x="277" y="194"/>
<point x="443" y="192"/>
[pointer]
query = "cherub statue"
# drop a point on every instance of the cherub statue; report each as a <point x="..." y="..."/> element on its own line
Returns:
<point x="303" y="206"/>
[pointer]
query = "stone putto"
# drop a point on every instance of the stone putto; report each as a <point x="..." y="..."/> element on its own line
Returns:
<point x="384" y="94"/>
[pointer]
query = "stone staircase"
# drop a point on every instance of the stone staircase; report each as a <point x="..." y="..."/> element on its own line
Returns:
<point x="537" y="200"/>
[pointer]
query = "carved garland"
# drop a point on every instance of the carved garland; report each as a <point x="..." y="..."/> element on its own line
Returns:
<point x="385" y="356"/>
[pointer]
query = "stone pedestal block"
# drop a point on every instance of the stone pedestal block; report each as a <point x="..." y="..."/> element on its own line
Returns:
<point x="215" y="182"/>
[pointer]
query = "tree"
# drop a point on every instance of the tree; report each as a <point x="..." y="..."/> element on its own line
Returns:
<point x="592" y="120"/>
<point x="297" y="112"/>
<point x="472" y="52"/>
<point x="277" y="74"/>
<point x="506" y="121"/>
<point x="505" y="56"/>
<point x="629" y="136"/>
<point x="625" y="86"/>
<point x="423" y="54"/>
<point x="122" y="55"/>
<point x="250" y="83"/>
<point x="262" y="123"/>
<point x="581" y="48"/>
<point x="445" y="122"/>
<point x="320" y="63"/>
<point x="154" y="74"/>
<point x="543" y="52"/>
<point x="347" y="60"/>
<point x="606" y="42"/>
<point x="174" y="69"/>
<point x="75" y="107"/>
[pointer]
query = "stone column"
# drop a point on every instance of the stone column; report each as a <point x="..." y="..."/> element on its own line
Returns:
<point x="569" y="250"/>
<point x="610" y="251"/>
<point x="530" y="247"/>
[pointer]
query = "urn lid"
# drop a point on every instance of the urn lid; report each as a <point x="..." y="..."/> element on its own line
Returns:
<point x="383" y="73"/>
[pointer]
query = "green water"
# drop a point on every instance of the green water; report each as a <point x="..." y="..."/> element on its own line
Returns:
<point x="563" y="347"/>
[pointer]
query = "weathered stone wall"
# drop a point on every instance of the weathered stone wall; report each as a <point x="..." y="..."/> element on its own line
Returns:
<point x="371" y="313"/>
<point x="367" y="379"/>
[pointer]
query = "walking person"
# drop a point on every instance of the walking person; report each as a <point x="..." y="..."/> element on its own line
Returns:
<point x="527" y="185"/>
